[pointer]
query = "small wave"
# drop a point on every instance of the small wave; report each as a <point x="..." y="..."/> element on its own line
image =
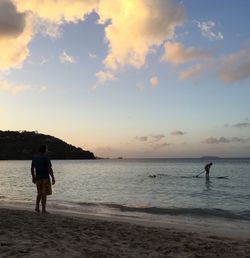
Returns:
<point x="198" y="212"/>
<point x="2" y="197"/>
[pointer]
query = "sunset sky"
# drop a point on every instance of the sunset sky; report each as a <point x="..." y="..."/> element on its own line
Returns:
<point x="131" y="78"/>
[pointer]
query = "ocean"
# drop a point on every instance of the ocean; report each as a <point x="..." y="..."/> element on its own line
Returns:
<point x="156" y="189"/>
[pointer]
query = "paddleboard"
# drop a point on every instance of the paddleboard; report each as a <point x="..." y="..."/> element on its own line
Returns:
<point x="217" y="177"/>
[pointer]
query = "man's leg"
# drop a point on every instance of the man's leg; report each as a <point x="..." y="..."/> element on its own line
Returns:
<point x="44" y="200"/>
<point x="38" y="199"/>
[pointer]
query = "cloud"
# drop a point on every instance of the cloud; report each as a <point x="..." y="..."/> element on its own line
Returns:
<point x="229" y="68"/>
<point x="6" y="86"/>
<point x="92" y="56"/>
<point x="235" y="67"/>
<point x="44" y="60"/>
<point x="50" y="29"/>
<point x="206" y="30"/>
<point x="194" y="72"/>
<point x="178" y="132"/>
<point x="141" y="138"/>
<point x="154" y="81"/>
<point x="152" y="138"/>
<point x="57" y="12"/>
<point x="12" y="23"/>
<point x="222" y="139"/>
<point x="15" y="34"/>
<point x="157" y="137"/>
<point x="156" y="22"/>
<point x="161" y="145"/>
<point x="242" y="125"/>
<point x="238" y="139"/>
<point x="136" y="27"/>
<point x="104" y="76"/>
<point x="2" y="110"/>
<point x="21" y="20"/>
<point x="66" y="58"/>
<point x="175" y="53"/>
<point x="213" y="140"/>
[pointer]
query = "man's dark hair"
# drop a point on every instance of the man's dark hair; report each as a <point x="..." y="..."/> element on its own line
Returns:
<point x="43" y="148"/>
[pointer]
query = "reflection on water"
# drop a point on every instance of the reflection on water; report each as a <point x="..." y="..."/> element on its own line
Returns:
<point x="208" y="184"/>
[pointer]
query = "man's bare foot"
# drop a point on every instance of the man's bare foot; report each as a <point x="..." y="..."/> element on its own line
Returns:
<point x="37" y="210"/>
<point x="45" y="212"/>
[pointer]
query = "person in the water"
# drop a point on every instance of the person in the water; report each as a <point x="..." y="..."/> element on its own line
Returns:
<point x="207" y="169"/>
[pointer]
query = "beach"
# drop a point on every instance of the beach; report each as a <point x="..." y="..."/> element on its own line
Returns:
<point x="24" y="233"/>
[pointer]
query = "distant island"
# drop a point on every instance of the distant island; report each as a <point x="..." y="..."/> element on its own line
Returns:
<point x="22" y="145"/>
<point x="210" y="157"/>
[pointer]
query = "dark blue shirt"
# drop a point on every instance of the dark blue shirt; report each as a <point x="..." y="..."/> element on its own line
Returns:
<point x="41" y="163"/>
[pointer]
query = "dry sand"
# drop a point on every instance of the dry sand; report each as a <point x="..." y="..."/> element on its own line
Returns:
<point x="24" y="233"/>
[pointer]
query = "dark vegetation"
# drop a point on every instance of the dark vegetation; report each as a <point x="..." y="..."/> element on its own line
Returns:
<point x="15" y="145"/>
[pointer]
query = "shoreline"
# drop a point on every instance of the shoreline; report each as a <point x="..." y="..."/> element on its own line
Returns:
<point x="70" y="234"/>
<point x="221" y="227"/>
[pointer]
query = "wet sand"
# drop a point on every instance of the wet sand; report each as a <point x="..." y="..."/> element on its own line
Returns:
<point x="24" y="233"/>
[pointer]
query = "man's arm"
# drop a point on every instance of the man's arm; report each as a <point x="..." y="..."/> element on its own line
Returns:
<point x="52" y="175"/>
<point x="33" y="175"/>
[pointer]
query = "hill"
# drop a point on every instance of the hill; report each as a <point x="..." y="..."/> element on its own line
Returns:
<point x="15" y="145"/>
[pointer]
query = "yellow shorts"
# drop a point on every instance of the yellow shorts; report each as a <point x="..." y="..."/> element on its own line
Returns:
<point x="43" y="187"/>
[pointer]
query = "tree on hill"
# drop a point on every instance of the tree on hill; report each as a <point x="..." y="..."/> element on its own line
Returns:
<point x="24" y="144"/>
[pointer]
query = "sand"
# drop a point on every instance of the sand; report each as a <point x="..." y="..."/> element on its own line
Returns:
<point x="24" y="233"/>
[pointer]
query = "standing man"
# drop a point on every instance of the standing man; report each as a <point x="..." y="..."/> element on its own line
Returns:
<point x="41" y="171"/>
<point x="207" y="169"/>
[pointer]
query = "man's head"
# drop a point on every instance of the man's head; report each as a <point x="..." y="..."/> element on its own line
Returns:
<point x="43" y="148"/>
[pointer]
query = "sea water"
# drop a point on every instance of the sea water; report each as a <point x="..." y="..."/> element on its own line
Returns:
<point x="152" y="188"/>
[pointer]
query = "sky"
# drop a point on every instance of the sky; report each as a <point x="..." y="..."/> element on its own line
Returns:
<point x="130" y="78"/>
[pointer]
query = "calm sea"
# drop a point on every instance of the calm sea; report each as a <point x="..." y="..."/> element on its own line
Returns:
<point x="124" y="187"/>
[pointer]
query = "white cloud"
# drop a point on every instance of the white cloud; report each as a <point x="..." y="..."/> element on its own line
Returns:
<point x="175" y="53"/>
<point x="6" y="86"/>
<point x="235" y="67"/>
<point x="44" y="60"/>
<point x="92" y="56"/>
<point x="194" y="71"/>
<point x="149" y="23"/>
<point x="104" y="76"/>
<point x="51" y="29"/>
<point x="154" y="81"/>
<point x="136" y="27"/>
<point x="66" y="58"/>
<point x="15" y="34"/>
<point x="229" y="68"/>
<point x="206" y="30"/>
<point x="20" y="20"/>
<point x="55" y="11"/>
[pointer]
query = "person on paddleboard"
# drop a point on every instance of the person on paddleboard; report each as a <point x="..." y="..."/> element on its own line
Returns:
<point x="207" y="169"/>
